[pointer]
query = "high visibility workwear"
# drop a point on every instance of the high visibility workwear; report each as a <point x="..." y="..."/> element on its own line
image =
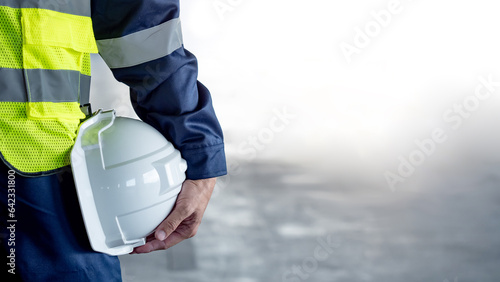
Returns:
<point x="45" y="75"/>
<point x="44" y="71"/>
<point x="128" y="177"/>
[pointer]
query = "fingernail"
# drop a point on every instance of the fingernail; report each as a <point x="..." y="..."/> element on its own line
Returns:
<point x="160" y="235"/>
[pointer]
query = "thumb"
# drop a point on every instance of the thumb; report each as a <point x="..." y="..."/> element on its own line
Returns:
<point x="169" y="225"/>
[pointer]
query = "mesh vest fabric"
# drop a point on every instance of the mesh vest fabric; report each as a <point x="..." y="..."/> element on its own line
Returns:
<point x="44" y="54"/>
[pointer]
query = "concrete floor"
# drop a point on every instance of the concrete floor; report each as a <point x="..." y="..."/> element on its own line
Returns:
<point x="280" y="222"/>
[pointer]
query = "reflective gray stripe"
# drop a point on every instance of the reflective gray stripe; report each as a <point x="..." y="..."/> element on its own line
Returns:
<point x="74" y="7"/>
<point x="84" y="89"/>
<point x="12" y="86"/>
<point x="44" y="85"/>
<point x="142" y="46"/>
<point x="52" y="85"/>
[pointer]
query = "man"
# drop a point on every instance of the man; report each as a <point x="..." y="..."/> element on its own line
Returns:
<point x="44" y="77"/>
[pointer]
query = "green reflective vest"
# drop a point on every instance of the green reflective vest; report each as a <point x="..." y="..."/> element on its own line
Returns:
<point x="44" y="70"/>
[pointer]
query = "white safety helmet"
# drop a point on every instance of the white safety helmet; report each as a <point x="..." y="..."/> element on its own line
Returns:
<point x="127" y="178"/>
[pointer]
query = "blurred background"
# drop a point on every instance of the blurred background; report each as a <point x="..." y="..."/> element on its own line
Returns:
<point x="361" y="137"/>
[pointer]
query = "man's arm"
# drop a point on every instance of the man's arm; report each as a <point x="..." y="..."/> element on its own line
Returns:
<point x="141" y="42"/>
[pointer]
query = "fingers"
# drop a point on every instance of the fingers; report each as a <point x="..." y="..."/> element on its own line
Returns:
<point x="183" y="222"/>
<point x="154" y="245"/>
<point x="173" y="220"/>
<point x="174" y="229"/>
<point x="173" y="239"/>
<point x="149" y="247"/>
<point x="188" y="202"/>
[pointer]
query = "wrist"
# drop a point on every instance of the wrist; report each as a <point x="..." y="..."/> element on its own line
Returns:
<point x="203" y="182"/>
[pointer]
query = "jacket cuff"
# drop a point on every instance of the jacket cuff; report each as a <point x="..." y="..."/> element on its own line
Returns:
<point x="205" y="162"/>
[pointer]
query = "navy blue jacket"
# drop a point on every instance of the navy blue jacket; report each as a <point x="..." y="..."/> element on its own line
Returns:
<point x="141" y="42"/>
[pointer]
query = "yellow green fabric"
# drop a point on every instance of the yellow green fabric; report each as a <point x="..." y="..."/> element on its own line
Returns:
<point x="44" y="39"/>
<point x="34" y="145"/>
<point x="45" y="27"/>
<point x="58" y="111"/>
<point x="11" y="38"/>
<point x="53" y="40"/>
<point x="38" y="136"/>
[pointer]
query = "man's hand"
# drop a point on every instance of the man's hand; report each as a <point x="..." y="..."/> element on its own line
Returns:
<point x="182" y="223"/>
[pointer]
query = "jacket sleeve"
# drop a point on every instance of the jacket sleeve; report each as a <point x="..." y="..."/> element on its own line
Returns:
<point x="141" y="42"/>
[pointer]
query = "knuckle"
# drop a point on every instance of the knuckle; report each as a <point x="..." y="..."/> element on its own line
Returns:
<point x="184" y="208"/>
<point x="170" y="226"/>
<point x="185" y="213"/>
